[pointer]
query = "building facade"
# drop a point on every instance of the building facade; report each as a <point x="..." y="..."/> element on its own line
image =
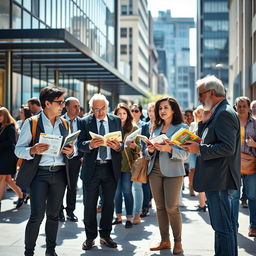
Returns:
<point x="212" y="39"/>
<point x="172" y="34"/>
<point x="134" y="40"/>
<point x="242" y="49"/>
<point x="73" y="44"/>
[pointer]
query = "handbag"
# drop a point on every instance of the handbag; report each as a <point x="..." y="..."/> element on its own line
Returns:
<point x="138" y="168"/>
<point x="248" y="164"/>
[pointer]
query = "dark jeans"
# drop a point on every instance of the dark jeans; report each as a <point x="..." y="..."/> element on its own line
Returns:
<point x="223" y="223"/>
<point x="244" y="196"/>
<point x="46" y="194"/>
<point x="104" y="177"/>
<point x="74" y="169"/>
<point x="147" y="195"/>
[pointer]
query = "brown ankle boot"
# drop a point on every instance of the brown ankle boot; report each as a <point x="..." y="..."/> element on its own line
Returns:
<point x="161" y="246"/>
<point x="177" y="249"/>
<point x="136" y="219"/>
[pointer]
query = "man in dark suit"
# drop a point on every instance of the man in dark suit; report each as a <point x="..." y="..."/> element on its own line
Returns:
<point x="101" y="167"/>
<point x="72" y="106"/>
<point x="217" y="171"/>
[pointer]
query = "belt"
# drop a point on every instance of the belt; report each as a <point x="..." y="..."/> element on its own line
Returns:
<point x="52" y="168"/>
<point x="100" y="162"/>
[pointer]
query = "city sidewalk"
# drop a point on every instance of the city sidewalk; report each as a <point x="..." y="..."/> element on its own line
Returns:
<point x="197" y="233"/>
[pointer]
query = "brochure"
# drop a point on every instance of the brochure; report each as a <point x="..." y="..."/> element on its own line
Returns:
<point x="55" y="142"/>
<point x="183" y="135"/>
<point x="110" y="136"/>
<point x="158" y="139"/>
<point x="131" y="137"/>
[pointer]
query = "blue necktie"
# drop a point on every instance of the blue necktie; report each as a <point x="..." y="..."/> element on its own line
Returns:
<point x="103" y="149"/>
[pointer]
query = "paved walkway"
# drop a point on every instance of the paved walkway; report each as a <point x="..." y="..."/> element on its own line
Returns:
<point x="197" y="233"/>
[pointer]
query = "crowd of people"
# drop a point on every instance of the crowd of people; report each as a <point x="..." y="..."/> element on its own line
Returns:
<point x="213" y="165"/>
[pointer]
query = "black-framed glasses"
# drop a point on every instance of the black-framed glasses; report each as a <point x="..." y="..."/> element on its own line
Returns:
<point x="200" y="94"/>
<point x="135" y="110"/>
<point x="60" y="102"/>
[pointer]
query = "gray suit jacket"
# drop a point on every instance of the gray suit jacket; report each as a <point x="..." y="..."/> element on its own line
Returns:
<point x="170" y="165"/>
<point x="218" y="163"/>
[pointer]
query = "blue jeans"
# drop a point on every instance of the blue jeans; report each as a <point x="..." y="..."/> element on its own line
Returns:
<point x="235" y="196"/>
<point x="138" y="197"/>
<point x="124" y="188"/>
<point x="147" y="196"/>
<point x="223" y="223"/>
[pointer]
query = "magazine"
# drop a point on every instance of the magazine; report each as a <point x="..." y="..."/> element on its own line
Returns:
<point x="183" y="135"/>
<point x="110" y="136"/>
<point x="70" y="139"/>
<point x="131" y="137"/>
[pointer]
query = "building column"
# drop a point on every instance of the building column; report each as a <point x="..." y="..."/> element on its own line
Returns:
<point x="86" y="107"/>
<point x="114" y="100"/>
<point x="56" y="78"/>
<point x="8" y="81"/>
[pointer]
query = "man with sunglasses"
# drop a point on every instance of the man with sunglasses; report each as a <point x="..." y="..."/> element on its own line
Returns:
<point x="101" y="168"/>
<point x="45" y="175"/>
<point x="217" y="171"/>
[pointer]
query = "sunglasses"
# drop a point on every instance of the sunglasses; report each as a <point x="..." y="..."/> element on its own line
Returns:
<point x="135" y="110"/>
<point x="60" y="102"/>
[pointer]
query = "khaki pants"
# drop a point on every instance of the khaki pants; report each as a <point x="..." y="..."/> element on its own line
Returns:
<point x="166" y="193"/>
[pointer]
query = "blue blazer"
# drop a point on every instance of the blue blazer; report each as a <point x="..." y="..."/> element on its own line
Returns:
<point x="171" y="165"/>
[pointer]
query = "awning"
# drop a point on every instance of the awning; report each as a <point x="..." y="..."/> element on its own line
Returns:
<point x="59" y="50"/>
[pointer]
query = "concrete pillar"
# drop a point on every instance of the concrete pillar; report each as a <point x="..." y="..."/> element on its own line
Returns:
<point x="56" y="77"/>
<point x="86" y="106"/>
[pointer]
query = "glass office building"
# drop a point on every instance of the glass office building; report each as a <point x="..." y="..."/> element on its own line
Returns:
<point x="213" y="27"/>
<point x="68" y="43"/>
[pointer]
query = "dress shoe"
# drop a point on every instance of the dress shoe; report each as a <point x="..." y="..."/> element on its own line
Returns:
<point x="72" y="217"/>
<point x="201" y="209"/>
<point x="88" y="244"/>
<point x="19" y="203"/>
<point x="145" y="213"/>
<point x="61" y="216"/>
<point x="117" y="221"/>
<point x="177" y="248"/>
<point x="128" y="224"/>
<point x="252" y="232"/>
<point x="108" y="242"/>
<point x="161" y="246"/>
<point x="50" y="254"/>
<point x="244" y="203"/>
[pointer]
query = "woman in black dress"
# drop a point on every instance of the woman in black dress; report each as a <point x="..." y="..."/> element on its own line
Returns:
<point x="8" y="159"/>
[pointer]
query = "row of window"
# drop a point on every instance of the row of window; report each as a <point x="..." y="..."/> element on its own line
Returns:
<point x="216" y="6"/>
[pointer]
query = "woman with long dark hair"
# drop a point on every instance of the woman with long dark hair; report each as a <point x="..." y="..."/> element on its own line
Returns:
<point x="166" y="171"/>
<point x="8" y="136"/>
<point x="124" y="187"/>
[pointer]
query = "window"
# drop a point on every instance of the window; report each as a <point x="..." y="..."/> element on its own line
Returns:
<point x="124" y="10"/>
<point x="123" y="32"/>
<point x="123" y="49"/>
<point x="215" y="6"/>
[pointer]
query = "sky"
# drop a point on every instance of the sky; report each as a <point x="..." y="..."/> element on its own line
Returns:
<point x="179" y="8"/>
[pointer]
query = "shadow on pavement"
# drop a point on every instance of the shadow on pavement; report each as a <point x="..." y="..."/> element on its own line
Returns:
<point x="247" y="244"/>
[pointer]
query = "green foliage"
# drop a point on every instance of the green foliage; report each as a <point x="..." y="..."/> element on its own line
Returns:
<point x="152" y="98"/>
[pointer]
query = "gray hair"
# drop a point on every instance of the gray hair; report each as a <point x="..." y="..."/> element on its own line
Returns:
<point x="69" y="99"/>
<point x="252" y="103"/>
<point x="97" y="96"/>
<point x="211" y="82"/>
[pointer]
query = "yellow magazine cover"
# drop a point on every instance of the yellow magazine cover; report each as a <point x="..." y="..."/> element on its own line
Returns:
<point x="183" y="135"/>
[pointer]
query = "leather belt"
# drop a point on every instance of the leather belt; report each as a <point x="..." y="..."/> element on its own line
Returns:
<point x="100" y="162"/>
<point x="52" y="168"/>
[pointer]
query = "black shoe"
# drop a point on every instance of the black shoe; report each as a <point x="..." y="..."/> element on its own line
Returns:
<point x="47" y="253"/>
<point x="244" y="203"/>
<point x="72" y="217"/>
<point x="116" y="221"/>
<point x="19" y="203"/>
<point x="145" y="213"/>
<point x="88" y="244"/>
<point x="61" y="216"/>
<point x="108" y="242"/>
<point x="26" y="199"/>
<point x="128" y="224"/>
<point x="201" y="209"/>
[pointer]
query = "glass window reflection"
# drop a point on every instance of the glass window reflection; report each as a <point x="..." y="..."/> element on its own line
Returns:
<point x="4" y="14"/>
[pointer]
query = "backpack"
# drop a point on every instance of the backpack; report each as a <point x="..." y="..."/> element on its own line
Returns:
<point x="34" y="121"/>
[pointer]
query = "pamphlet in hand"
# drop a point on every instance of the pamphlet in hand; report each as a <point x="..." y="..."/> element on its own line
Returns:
<point x="110" y="136"/>
<point x="183" y="135"/>
<point x="131" y="137"/>
<point x="55" y="142"/>
<point x="158" y="139"/>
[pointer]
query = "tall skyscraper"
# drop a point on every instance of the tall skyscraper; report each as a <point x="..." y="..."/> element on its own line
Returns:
<point x="212" y="39"/>
<point x="172" y="34"/>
